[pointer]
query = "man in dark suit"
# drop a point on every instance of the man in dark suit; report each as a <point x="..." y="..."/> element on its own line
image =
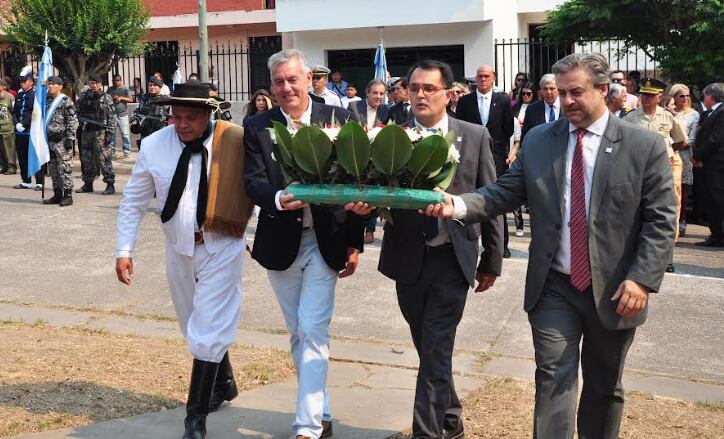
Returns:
<point x="492" y="110"/>
<point x="709" y="150"/>
<point x="602" y="233"/>
<point x="370" y="112"/>
<point x="302" y="247"/>
<point x="545" y="110"/>
<point x="434" y="262"/>
<point x="400" y="112"/>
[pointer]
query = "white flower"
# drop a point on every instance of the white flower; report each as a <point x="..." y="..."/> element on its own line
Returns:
<point x="332" y="133"/>
<point x="453" y="155"/>
<point x="273" y="158"/>
<point x="273" y="135"/>
<point x="414" y="134"/>
<point x="371" y="134"/>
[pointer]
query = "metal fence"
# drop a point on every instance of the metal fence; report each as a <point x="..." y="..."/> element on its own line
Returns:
<point x="238" y="71"/>
<point x="535" y="57"/>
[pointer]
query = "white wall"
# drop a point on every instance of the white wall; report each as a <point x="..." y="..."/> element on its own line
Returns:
<point x="307" y="15"/>
<point x="476" y="37"/>
<point x="524" y="6"/>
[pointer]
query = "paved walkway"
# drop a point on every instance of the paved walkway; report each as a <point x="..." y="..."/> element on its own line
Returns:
<point x="371" y="385"/>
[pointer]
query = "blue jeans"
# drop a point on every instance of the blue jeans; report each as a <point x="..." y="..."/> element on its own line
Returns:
<point x="305" y="292"/>
<point x="125" y="127"/>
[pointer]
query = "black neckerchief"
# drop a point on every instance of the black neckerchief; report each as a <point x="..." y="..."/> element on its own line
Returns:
<point x="178" y="183"/>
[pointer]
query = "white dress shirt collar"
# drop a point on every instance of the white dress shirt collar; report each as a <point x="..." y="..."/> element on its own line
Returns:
<point x="715" y="106"/>
<point x="306" y="118"/>
<point x="488" y="95"/>
<point x="598" y="127"/>
<point x="443" y="125"/>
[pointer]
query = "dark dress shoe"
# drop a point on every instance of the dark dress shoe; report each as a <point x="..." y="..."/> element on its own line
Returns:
<point x="670" y="268"/>
<point x="506" y="253"/>
<point x="326" y="429"/>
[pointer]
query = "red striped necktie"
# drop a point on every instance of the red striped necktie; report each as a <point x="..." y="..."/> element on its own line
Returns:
<point x="580" y="265"/>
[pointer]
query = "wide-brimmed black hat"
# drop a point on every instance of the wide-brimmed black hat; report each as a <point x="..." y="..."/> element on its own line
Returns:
<point x="193" y="94"/>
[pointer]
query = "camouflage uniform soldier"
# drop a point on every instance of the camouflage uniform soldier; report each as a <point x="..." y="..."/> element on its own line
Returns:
<point x="62" y="124"/>
<point x="96" y="115"/>
<point x="149" y="118"/>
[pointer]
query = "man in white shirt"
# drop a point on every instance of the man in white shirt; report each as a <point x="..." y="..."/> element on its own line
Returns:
<point x="351" y="91"/>
<point x="187" y="168"/>
<point x="600" y="244"/>
<point x="320" y="80"/>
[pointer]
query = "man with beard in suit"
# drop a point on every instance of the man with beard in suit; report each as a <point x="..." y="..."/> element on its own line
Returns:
<point x="709" y="150"/>
<point x="434" y="262"/>
<point x="602" y="233"/>
<point x="303" y="247"/>
<point x="492" y="110"/>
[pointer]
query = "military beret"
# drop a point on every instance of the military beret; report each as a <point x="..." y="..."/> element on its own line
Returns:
<point x="155" y="80"/>
<point x="651" y="86"/>
<point x="56" y="80"/>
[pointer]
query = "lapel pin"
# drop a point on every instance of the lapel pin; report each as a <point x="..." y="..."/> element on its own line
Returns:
<point x="608" y="150"/>
<point x="460" y="139"/>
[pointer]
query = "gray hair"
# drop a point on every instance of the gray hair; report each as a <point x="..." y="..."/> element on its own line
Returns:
<point x="374" y="82"/>
<point x="287" y="55"/>
<point x="594" y="64"/>
<point x="614" y="91"/>
<point x="545" y="79"/>
<point x="715" y="90"/>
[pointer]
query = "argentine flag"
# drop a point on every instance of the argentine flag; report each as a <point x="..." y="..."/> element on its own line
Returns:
<point x="381" y="65"/>
<point x="38" y="153"/>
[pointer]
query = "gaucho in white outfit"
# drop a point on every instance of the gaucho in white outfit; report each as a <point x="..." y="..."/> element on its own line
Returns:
<point x="204" y="236"/>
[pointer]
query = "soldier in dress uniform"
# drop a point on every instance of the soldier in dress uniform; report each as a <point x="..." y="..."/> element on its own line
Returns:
<point x="148" y="118"/>
<point x="61" y="126"/>
<point x="97" y="118"/>
<point x="319" y="85"/>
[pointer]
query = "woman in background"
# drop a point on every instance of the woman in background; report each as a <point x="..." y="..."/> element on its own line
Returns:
<point x="260" y="101"/>
<point x="689" y="119"/>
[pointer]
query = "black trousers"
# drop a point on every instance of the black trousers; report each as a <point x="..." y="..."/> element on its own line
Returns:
<point x="433" y="307"/>
<point x="561" y="318"/>
<point x="714" y="179"/>
<point x="22" y="144"/>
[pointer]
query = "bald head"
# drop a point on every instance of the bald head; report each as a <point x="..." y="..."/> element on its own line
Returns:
<point x="485" y="78"/>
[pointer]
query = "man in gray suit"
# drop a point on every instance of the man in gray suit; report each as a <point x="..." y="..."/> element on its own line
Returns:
<point x="602" y="234"/>
<point x="434" y="261"/>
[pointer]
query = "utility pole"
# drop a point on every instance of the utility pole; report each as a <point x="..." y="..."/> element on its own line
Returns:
<point x="203" y="43"/>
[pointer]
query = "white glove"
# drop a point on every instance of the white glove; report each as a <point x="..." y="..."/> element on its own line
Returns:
<point x="19" y="127"/>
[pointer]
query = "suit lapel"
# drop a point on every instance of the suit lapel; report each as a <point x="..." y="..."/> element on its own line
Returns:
<point x="558" y="151"/>
<point x="604" y="161"/>
<point x="475" y="107"/>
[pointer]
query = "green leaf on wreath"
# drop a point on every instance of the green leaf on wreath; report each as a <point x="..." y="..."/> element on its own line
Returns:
<point x="445" y="177"/>
<point x="391" y="150"/>
<point x="284" y="141"/>
<point x="353" y="149"/>
<point x="311" y="149"/>
<point x="428" y="156"/>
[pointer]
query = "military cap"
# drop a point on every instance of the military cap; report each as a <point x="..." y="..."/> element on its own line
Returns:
<point x="391" y="82"/>
<point x="26" y="73"/>
<point x="651" y="86"/>
<point x="318" y="70"/>
<point x="56" y="80"/>
<point x="155" y="80"/>
<point x="94" y="78"/>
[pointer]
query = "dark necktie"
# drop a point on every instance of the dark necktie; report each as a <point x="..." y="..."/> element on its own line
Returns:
<point x="580" y="265"/>
<point x="551" y="114"/>
<point x="178" y="183"/>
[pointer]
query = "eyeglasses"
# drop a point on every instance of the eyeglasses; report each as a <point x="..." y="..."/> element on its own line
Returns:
<point x="526" y="93"/>
<point x="519" y="79"/>
<point x="427" y="89"/>
<point x="458" y="92"/>
<point x="683" y="96"/>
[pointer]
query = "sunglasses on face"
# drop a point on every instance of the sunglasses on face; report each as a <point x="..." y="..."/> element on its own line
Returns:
<point x="683" y="96"/>
<point x="526" y="93"/>
<point x="519" y="79"/>
<point x="458" y="92"/>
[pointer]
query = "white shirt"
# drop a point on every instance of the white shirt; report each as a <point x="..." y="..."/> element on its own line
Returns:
<point x="153" y="172"/>
<point x="330" y="98"/>
<point x="591" y="144"/>
<point x="371" y="117"/>
<point x="345" y="100"/>
<point x="714" y="107"/>
<point x="556" y="109"/>
<point x="165" y="90"/>
<point x="443" y="233"/>
<point x="484" y="101"/>
<point x="306" y="119"/>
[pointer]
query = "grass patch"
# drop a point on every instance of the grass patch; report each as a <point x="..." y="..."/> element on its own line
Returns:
<point x="54" y="378"/>
<point x="503" y="408"/>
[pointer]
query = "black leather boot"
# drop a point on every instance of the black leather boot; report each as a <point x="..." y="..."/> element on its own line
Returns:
<point x="203" y="376"/>
<point x="55" y="199"/>
<point x="87" y="187"/>
<point x="225" y="386"/>
<point x="110" y="189"/>
<point x="67" y="198"/>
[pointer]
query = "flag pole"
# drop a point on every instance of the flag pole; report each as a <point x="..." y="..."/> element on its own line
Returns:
<point x="44" y="168"/>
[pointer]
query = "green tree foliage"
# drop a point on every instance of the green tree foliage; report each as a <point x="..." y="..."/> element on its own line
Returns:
<point x="683" y="36"/>
<point x="84" y="35"/>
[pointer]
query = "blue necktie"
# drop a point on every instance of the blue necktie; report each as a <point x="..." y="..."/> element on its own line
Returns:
<point x="551" y="114"/>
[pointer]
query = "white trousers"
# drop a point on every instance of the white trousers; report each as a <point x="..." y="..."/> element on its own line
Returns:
<point x="206" y="292"/>
<point x="306" y="295"/>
